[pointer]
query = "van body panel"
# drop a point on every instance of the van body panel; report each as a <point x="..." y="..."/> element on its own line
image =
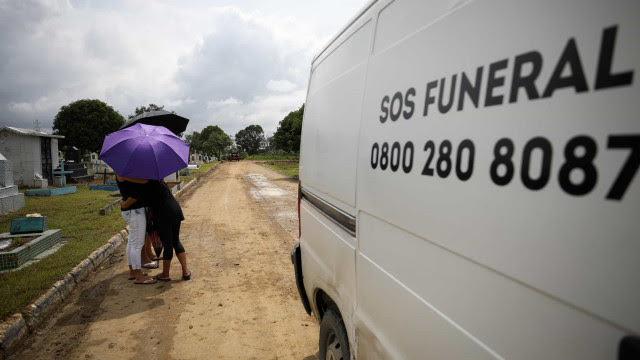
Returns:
<point x="411" y="330"/>
<point x="579" y="248"/>
<point x="332" y="118"/>
<point x="328" y="262"/>
<point x="495" y="187"/>
<point x="487" y="306"/>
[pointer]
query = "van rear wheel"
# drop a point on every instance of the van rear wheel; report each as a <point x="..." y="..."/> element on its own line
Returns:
<point x="334" y="344"/>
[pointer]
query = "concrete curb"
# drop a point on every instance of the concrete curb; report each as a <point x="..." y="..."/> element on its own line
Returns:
<point x="17" y="326"/>
<point x="108" y="208"/>
<point x="11" y="331"/>
<point x="186" y="186"/>
<point x="194" y="180"/>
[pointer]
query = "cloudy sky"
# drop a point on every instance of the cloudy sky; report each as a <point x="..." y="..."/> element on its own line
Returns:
<point x="230" y="63"/>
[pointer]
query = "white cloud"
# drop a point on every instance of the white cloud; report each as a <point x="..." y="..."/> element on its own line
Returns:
<point x="281" y="85"/>
<point x="229" y="63"/>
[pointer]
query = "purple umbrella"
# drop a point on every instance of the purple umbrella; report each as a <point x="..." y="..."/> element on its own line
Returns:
<point x="145" y="152"/>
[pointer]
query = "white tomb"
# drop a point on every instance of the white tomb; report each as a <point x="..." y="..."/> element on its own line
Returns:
<point x="10" y="198"/>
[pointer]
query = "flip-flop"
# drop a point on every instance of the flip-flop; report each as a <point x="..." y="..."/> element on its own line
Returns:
<point x="133" y="278"/>
<point x="152" y="266"/>
<point x="187" y="277"/>
<point x="157" y="277"/>
<point x="147" y="282"/>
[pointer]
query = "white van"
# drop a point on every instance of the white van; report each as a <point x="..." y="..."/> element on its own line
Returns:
<point x="468" y="183"/>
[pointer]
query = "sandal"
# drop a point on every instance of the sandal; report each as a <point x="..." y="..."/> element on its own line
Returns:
<point x="151" y="265"/>
<point x="157" y="277"/>
<point x="133" y="278"/>
<point x="147" y="282"/>
<point x="187" y="277"/>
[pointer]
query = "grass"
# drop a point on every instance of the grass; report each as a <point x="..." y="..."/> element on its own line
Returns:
<point x="271" y="156"/>
<point x="197" y="173"/>
<point x="83" y="229"/>
<point x="286" y="167"/>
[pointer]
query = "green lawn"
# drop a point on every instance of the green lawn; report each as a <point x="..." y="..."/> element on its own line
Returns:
<point x="289" y="168"/>
<point x="83" y="229"/>
<point x="194" y="174"/>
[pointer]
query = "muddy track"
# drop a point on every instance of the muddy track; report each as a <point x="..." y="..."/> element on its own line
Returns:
<point x="241" y="303"/>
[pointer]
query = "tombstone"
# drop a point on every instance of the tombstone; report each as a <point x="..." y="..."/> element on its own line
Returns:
<point x="10" y="198"/>
<point x="72" y="155"/>
<point x="63" y="190"/>
<point x="76" y="173"/>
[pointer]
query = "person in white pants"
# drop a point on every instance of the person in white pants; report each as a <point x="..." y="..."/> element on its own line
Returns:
<point x="133" y="213"/>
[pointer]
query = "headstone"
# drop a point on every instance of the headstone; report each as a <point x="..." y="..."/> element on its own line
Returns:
<point x="63" y="174"/>
<point x="29" y="225"/>
<point x="10" y="198"/>
<point x="72" y="155"/>
<point x="73" y="173"/>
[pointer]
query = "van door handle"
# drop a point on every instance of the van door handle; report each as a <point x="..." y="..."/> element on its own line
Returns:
<point x="629" y="348"/>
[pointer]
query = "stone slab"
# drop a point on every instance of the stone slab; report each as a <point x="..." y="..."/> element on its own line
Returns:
<point x="9" y="190"/>
<point x="109" y="207"/>
<point x="29" y="225"/>
<point x="104" y="187"/>
<point x="81" y="270"/>
<point x="98" y="256"/>
<point x="65" y="286"/>
<point x="20" y="255"/>
<point x="11" y="203"/>
<point x="42" y="307"/>
<point x="11" y="331"/>
<point x="52" y="191"/>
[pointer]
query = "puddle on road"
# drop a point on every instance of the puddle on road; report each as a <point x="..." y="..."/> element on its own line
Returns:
<point x="280" y="204"/>
<point x="263" y="188"/>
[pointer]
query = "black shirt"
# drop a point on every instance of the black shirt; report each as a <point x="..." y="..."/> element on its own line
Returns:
<point x="132" y="190"/>
<point x="158" y="196"/>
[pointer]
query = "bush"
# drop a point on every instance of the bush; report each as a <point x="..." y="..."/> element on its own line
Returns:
<point x="276" y="155"/>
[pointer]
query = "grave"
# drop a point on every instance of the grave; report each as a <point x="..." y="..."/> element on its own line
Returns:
<point x="35" y="231"/>
<point x="10" y="198"/>
<point x="78" y="173"/>
<point x="108" y="185"/>
<point x="72" y="155"/>
<point x="55" y="191"/>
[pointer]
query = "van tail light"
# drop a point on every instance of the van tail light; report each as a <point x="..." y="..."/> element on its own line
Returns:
<point x="299" y="198"/>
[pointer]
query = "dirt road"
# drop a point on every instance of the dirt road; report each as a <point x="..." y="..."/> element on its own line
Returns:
<point x="242" y="303"/>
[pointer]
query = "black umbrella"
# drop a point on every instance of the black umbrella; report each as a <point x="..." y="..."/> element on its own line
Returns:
<point x="175" y="123"/>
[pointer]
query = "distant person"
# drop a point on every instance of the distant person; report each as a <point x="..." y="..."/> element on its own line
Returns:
<point x="133" y="213"/>
<point x="168" y="216"/>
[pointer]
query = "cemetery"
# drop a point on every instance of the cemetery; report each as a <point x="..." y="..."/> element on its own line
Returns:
<point x="27" y="239"/>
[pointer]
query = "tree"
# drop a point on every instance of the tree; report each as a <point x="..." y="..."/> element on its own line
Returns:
<point x="218" y="143"/>
<point x="250" y="139"/>
<point x="85" y="123"/>
<point x="287" y="136"/>
<point x="211" y="140"/>
<point x="142" y="109"/>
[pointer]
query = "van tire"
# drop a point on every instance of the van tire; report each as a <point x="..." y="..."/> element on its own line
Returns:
<point x="334" y="343"/>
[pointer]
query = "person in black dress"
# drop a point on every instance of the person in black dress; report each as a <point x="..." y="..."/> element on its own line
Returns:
<point x="168" y="216"/>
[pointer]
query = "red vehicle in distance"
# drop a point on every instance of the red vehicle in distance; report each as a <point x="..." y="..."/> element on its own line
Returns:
<point x="234" y="156"/>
